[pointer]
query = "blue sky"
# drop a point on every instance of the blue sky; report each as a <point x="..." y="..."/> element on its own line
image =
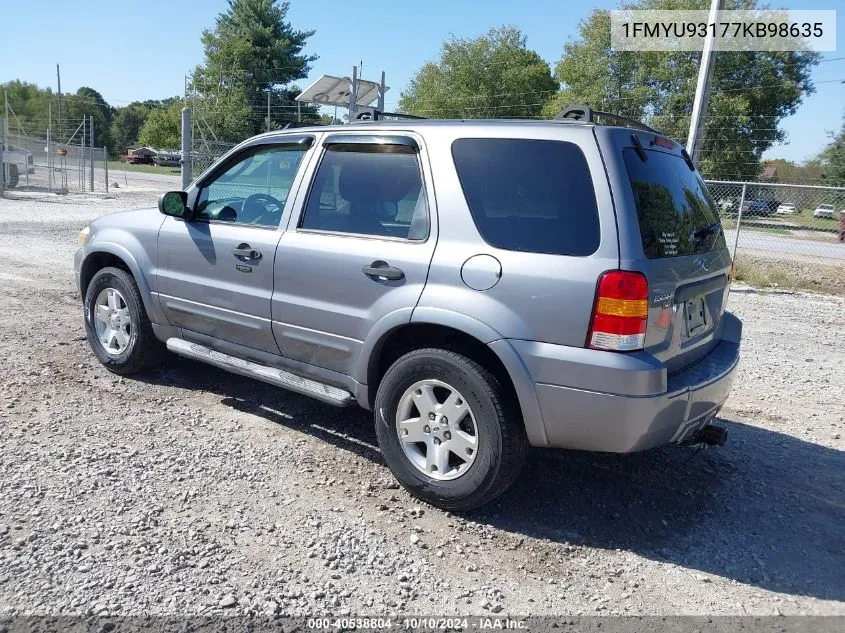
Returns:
<point x="142" y="50"/>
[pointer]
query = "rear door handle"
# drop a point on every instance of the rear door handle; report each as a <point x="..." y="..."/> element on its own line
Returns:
<point x="384" y="270"/>
<point x="246" y="251"/>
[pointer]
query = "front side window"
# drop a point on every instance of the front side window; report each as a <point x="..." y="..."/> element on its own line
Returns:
<point x="368" y="189"/>
<point x="254" y="189"/>
<point x="529" y="195"/>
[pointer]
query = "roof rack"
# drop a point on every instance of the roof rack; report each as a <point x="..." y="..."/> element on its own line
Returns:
<point x="586" y="113"/>
<point x="371" y="114"/>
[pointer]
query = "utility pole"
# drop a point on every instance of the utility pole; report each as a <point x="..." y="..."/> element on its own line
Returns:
<point x="82" y="158"/>
<point x="91" y="122"/>
<point x="187" y="146"/>
<point x="381" y="91"/>
<point x="702" y="88"/>
<point x="268" y="110"/>
<point x="49" y="146"/>
<point x="59" y="96"/>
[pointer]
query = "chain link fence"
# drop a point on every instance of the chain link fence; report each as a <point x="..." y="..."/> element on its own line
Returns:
<point x="784" y="236"/>
<point x="204" y="153"/>
<point x="39" y="163"/>
<point x="798" y="220"/>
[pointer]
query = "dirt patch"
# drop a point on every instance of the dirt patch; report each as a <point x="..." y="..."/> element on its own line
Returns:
<point x="191" y="490"/>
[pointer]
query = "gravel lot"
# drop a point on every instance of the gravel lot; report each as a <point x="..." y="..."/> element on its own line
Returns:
<point x="191" y="490"/>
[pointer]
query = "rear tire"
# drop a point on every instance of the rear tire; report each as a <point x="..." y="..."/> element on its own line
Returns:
<point x="116" y="324"/>
<point x="484" y="442"/>
<point x="14" y="177"/>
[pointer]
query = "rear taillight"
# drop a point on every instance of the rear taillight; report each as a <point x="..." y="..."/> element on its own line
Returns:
<point x="620" y="312"/>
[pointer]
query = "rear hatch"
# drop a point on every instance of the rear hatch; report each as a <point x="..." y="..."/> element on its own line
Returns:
<point x="669" y="229"/>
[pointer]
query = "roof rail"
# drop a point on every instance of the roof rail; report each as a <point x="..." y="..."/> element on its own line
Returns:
<point x="371" y="114"/>
<point x="586" y="113"/>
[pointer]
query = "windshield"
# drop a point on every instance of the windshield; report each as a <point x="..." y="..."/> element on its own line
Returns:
<point x="676" y="214"/>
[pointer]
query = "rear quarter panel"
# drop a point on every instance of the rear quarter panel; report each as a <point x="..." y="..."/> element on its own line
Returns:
<point x="539" y="297"/>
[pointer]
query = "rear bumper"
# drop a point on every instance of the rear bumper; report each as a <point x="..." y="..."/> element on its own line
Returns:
<point x="626" y="402"/>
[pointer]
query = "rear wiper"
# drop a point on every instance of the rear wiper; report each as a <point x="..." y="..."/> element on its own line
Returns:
<point x="638" y="148"/>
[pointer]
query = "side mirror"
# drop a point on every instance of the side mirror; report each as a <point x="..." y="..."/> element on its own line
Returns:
<point x="174" y="203"/>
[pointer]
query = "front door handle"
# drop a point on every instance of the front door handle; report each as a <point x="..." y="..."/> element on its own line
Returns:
<point x="246" y="251"/>
<point x="384" y="270"/>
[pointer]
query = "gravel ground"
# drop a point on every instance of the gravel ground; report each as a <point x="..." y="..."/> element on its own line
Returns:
<point x="190" y="490"/>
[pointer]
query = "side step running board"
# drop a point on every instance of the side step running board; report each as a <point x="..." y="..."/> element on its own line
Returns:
<point x="279" y="377"/>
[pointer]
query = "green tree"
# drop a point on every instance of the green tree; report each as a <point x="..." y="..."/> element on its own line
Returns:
<point x="126" y="127"/>
<point x="252" y="52"/>
<point x="162" y="128"/>
<point x="87" y="103"/>
<point x="751" y="92"/>
<point x="492" y="76"/>
<point x="832" y="160"/>
<point x="30" y="107"/>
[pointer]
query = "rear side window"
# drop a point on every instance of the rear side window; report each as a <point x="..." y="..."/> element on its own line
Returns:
<point x="373" y="190"/>
<point x="529" y="195"/>
<point x="676" y="214"/>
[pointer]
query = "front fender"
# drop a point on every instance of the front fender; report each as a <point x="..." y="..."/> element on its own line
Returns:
<point x="137" y="259"/>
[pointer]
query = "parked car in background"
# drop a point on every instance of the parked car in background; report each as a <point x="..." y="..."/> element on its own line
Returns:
<point x="786" y="208"/>
<point x="16" y="161"/>
<point x="140" y="156"/>
<point x="563" y="296"/>
<point x="760" y="200"/>
<point x="823" y="211"/>
<point x="757" y="207"/>
<point x="726" y="204"/>
<point x="168" y="158"/>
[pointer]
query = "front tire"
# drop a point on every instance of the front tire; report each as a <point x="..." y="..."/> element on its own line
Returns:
<point x="448" y="430"/>
<point x="119" y="332"/>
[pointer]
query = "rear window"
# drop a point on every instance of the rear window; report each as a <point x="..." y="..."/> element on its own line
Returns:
<point x="529" y="195"/>
<point x="677" y="216"/>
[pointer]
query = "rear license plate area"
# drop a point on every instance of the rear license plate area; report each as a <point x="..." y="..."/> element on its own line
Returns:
<point x="695" y="316"/>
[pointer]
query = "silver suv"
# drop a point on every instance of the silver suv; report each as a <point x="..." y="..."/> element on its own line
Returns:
<point x="481" y="286"/>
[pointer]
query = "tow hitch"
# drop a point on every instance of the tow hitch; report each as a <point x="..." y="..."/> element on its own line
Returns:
<point x="710" y="435"/>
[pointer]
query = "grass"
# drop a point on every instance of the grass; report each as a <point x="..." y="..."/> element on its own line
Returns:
<point x="117" y="166"/>
<point x="768" y="223"/>
<point x="770" y="272"/>
<point x="770" y="229"/>
<point x="807" y="219"/>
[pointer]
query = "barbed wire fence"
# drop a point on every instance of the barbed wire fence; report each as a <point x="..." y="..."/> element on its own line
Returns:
<point x="34" y="161"/>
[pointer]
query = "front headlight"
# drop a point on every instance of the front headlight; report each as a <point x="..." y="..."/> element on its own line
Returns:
<point x="83" y="235"/>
